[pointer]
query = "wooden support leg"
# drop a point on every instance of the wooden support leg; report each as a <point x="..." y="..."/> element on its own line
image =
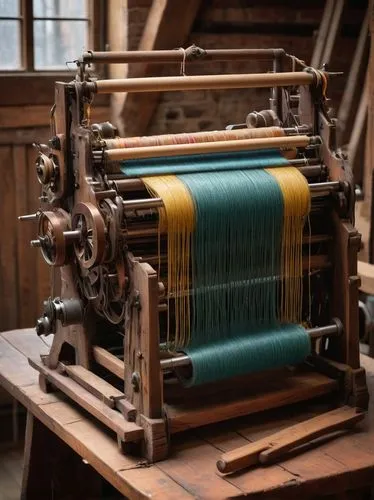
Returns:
<point x="143" y="382"/>
<point x="45" y="386"/>
<point x="52" y="469"/>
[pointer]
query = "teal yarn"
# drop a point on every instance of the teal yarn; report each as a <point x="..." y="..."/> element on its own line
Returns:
<point x="260" y="350"/>
<point x="236" y="252"/>
<point x="236" y="264"/>
<point x="213" y="162"/>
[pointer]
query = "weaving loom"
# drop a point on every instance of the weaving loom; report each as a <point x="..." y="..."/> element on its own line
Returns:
<point x="204" y="275"/>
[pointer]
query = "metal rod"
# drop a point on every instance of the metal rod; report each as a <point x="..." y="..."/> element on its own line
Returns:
<point x="152" y="232"/>
<point x="201" y="82"/>
<point x="134" y="184"/>
<point x="184" y="360"/>
<point x="320" y="189"/>
<point x="318" y="332"/>
<point x="319" y="261"/>
<point x="324" y="186"/>
<point x="101" y="195"/>
<point x="171" y="56"/>
<point x="310" y="171"/>
<point x="72" y="235"/>
<point x="210" y="147"/>
<point x="143" y="204"/>
<point x="29" y="217"/>
<point x="316" y="190"/>
<point x="277" y="93"/>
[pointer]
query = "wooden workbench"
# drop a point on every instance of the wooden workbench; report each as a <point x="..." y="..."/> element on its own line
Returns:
<point x="346" y="463"/>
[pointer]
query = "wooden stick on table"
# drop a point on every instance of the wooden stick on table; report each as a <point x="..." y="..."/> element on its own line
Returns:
<point x="271" y="448"/>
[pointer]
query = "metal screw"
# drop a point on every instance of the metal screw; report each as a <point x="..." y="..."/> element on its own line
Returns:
<point x="135" y="381"/>
<point x="39" y="326"/>
<point x="136" y="301"/>
<point x="55" y="143"/>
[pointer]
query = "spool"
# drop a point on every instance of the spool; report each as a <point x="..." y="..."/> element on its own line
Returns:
<point x="271" y="347"/>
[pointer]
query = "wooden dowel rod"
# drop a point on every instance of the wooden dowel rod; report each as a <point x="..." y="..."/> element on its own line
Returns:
<point x="171" y="56"/>
<point x="209" y="147"/>
<point x="108" y="361"/>
<point x="201" y="82"/>
<point x="205" y="136"/>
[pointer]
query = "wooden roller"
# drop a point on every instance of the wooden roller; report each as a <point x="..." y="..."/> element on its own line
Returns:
<point x="209" y="147"/>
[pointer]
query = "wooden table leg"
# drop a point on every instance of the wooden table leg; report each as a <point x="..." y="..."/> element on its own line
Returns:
<point x="52" y="470"/>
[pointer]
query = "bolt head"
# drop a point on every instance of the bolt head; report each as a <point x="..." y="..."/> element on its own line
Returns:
<point x="40" y="326"/>
<point x="135" y="381"/>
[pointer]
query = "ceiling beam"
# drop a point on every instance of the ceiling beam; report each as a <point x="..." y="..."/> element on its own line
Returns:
<point x="168" y="26"/>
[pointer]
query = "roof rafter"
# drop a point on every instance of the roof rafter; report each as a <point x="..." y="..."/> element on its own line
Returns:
<point x="168" y="26"/>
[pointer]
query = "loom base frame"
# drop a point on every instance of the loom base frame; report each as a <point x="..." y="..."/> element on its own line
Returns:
<point x="77" y="364"/>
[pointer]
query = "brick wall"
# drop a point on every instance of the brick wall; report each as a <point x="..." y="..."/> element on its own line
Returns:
<point x="243" y="24"/>
<point x="137" y="15"/>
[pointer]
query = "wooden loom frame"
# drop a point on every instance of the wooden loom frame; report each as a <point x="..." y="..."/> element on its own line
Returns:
<point x="146" y="418"/>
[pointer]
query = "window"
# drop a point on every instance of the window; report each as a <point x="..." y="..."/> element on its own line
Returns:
<point x="43" y="35"/>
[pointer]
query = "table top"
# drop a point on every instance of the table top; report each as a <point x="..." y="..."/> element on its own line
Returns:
<point x="346" y="462"/>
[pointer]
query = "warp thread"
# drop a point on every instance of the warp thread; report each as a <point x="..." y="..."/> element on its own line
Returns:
<point x="242" y="232"/>
<point x="296" y="207"/>
<point x="177" y="218"/>
<point x="212" y="162"/>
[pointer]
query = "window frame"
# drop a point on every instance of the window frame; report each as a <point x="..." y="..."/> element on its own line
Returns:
<point x="25" y="86"/>
<point x="96" y="35"/>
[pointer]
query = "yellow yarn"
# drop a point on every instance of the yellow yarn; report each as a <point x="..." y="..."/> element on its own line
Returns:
<point x="296" y="198"/>
<point x="177" y="218"/>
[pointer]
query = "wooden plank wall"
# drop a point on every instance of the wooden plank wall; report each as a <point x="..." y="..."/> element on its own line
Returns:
<point x="24" y="275"/>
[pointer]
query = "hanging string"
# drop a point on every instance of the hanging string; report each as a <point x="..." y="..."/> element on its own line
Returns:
<point x="177" y="218"/>
<point x="296" y="199"/>
<point x="183" y="63"/>
<point x="309" y="318"/>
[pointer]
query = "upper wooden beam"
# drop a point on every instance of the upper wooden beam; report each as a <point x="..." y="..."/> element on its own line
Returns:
<point x="168" y="25"/>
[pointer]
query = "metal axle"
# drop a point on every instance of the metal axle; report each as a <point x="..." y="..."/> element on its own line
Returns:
<point x="316" y="190"/>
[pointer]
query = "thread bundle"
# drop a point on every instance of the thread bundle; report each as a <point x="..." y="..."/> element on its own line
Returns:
<point x="184" y="138"/>
<point x="235" y="241"/>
